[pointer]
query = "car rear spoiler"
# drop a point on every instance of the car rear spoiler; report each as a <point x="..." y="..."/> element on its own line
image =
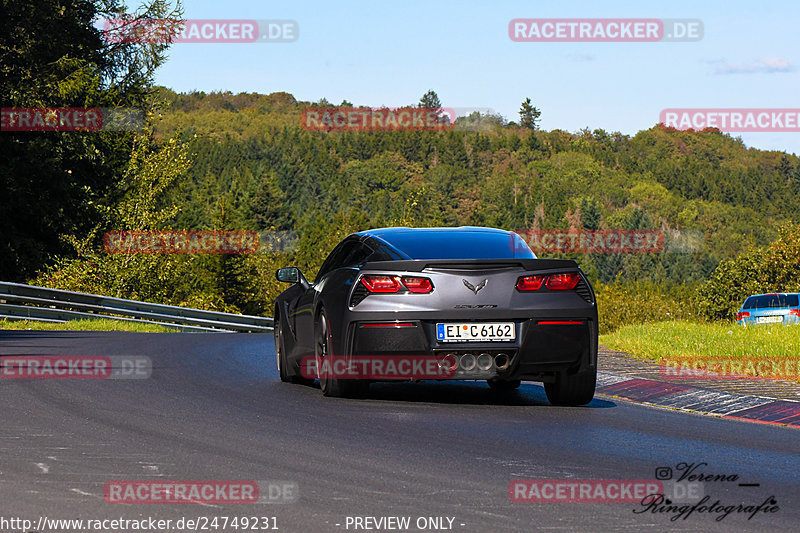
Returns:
<point x="418" y="265"/>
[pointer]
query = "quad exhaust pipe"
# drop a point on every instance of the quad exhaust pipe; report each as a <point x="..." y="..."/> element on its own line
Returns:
<point x="502" y="361"/>
<point x="468" y="362"/>
<point x="485" y="361"/>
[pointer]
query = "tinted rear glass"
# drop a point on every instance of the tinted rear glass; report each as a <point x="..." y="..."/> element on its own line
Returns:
<point x="771" y="300"/>
<point x="460" y="245"/>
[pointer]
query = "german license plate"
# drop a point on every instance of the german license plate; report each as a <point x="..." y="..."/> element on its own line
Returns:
<point x="476" y="332"/>
<point x="769" y="319"/>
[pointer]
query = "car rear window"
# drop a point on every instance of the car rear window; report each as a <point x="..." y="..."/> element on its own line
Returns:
<point x="771" y="300"/>
<point x="461" y="245"/>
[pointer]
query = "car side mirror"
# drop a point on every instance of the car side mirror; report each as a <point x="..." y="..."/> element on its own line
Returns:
<point x="290" y="275"/>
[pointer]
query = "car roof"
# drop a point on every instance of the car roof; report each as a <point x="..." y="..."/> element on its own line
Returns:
<point x="776" y="294"/>
<point x="446" y="243"/>
<point x="386" y="233"/>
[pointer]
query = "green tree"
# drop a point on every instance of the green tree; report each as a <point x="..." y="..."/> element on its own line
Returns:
<point x="528" y="115"/>
<point x="59" y="183"/>
<point x="590" y="213"/>
<point x="430" y="100"/>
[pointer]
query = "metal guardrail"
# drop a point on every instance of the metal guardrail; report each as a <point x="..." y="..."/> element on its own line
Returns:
<point x="28" y="302"/>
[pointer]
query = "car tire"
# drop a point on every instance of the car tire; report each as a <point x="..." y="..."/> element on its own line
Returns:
<point x="280" y="353"/>
<point x="572" y="389"/>
<point x="501" y="385"/>
<point x="337" y="388"/>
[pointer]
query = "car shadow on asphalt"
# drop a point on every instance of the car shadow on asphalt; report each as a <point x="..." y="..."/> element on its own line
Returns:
<point x="467" y="393"/>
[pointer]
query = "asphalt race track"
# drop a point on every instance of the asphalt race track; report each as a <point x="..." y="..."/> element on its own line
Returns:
<point x="214" y="409"/>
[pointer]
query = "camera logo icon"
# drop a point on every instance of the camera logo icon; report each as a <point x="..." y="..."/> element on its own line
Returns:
<point x="663" y="473"/>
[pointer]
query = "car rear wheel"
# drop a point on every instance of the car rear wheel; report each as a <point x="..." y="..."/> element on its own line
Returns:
<point x="572" y="389"/>
<point x="280" y="355"/>
<point x="331" y="386"/>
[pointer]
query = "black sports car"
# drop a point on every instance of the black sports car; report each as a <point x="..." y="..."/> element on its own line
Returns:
<point x="439" y="303"/>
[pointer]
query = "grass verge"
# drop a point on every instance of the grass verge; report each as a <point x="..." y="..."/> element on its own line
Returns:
<point x="102" y="324"/>
<point x="707" y="343"/>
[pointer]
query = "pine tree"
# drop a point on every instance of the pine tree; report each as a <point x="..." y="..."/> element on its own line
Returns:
<point x="528" y="115"/>
<point x="430" y="101"/>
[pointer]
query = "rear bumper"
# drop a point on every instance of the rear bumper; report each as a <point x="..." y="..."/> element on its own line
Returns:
<point x="540" y="351"/>
<point x="544" y="346"/>
<point x="766" y="320"/>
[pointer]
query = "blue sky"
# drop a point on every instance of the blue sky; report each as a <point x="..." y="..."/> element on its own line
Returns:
<point x="389" y="53"/>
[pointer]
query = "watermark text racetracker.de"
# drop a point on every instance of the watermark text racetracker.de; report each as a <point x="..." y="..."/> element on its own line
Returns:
<point x="733" y="368"/>
<point x="205" y="492"/>
<point x="582" y="490"/>
<point x="22" y="367"/>
<point x="732" y="120"/>
<point x="677" y="492"/>
<point x="379" y="367"/>
<point x="345" y="118"/>
<point x="63" y="119"/>
<point x="612" y="30"/>
<point x="129" y="29"/>
<point x="593" y="241"/>
<point x="181" y="242"/>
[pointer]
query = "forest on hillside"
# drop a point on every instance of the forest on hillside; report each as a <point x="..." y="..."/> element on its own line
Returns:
<point x="251" y="155"/>
<point x="253" y="161"/>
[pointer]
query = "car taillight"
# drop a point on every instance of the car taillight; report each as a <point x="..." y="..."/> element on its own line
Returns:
<point x="382" y="283"/>
<point x="391" y="284"/>
<point x="562" y="282"/>
<point x="741" y="315"/>
<point x="554" y="282"/>
<point x="795" y="312"/>
<point x="530" y="283"/>
<point x="418" y="285"/>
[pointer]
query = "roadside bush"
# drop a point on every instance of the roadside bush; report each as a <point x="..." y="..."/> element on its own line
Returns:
<point x="207" y="282"/>
<point x="620" y="304"/>
<point x="775" y="268"/>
